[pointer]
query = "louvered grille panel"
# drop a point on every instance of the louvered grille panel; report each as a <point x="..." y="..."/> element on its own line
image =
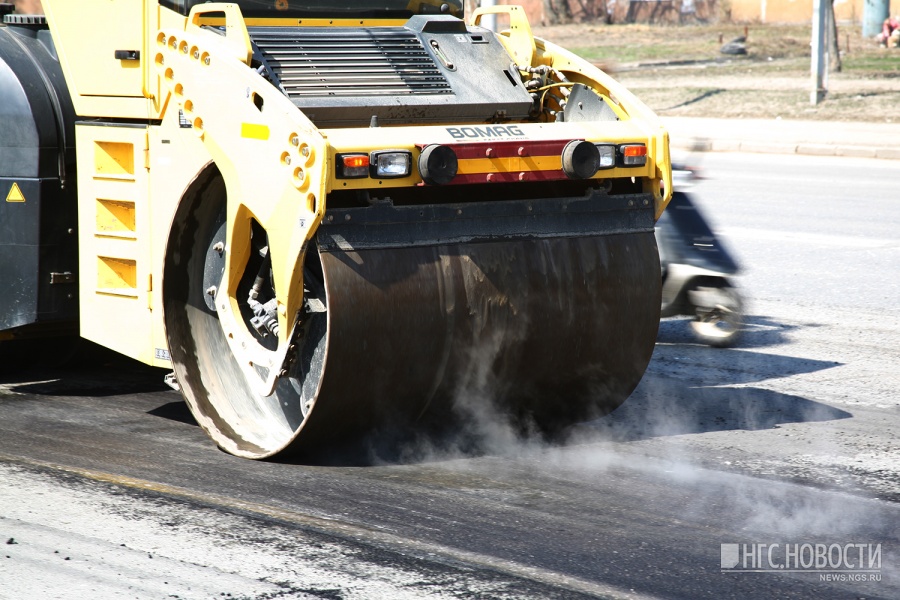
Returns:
<point x="339" y="62"/>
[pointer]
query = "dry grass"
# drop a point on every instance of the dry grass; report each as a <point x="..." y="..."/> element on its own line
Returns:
<point x="679" y="70"/>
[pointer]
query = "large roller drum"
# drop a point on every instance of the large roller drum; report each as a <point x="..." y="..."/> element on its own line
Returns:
<point x="541" y="313"/>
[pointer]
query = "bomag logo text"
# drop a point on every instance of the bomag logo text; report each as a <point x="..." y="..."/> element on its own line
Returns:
<point x="495" y="131"/>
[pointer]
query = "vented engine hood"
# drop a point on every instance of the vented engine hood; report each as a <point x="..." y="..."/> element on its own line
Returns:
<point x="433" y="69"/>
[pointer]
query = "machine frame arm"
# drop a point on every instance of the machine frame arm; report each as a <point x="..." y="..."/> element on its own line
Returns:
<point x="272" y="158"/>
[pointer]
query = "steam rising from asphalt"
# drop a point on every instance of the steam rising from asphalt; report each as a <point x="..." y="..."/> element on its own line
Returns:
<point x="484" y="426"/>
<point x="644" y="438"/>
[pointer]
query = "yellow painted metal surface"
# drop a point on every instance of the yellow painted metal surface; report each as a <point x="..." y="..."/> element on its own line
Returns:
<point x="519" y="39"/>
<point x="278" y="179"/>
<point x="410" y="139"/>
<point x="113" y="159"/>
<point x="175" y="156"/>
<point x="113" y="238"/>
<point x="255" y="131"/>
<point x="115" y="217"/>
<point x="117" y="276"/>
<point x="87" y="36"/>
<point x="277" y="166"/>
<point x="631" y="109"/>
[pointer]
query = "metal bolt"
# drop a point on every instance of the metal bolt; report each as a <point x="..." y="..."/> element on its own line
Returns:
<point x="295" y="141"/>
<point x="206" y="61"/>
<point x="211" y="290"/>
<point x="287" y="160"/>
<point x="346" y="217"/>
<point x="219" y="247"/>
<point x="305" y="151"/>
<point x="196" y="54"/>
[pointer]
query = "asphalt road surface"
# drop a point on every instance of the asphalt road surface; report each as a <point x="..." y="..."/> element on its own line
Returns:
<point x="768" y="470"/>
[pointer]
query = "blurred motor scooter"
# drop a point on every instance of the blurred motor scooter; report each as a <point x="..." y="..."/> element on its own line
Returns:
<point x="696" y="268"/>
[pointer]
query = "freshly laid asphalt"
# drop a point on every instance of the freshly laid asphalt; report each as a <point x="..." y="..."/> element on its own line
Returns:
<point x="778" y="136"/>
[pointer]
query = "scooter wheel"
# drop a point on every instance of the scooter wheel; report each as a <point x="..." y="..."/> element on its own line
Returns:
<point x="720" y="326"/>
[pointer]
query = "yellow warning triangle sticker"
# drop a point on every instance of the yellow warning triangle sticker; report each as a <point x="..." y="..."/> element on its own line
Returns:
<point x="15" y="194"/>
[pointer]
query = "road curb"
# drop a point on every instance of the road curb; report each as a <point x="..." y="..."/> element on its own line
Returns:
<point x="808" y="149"/>
<point x="784" y="136"/>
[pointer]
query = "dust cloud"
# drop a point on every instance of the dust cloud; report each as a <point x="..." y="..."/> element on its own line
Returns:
<point x="664" y="413"/>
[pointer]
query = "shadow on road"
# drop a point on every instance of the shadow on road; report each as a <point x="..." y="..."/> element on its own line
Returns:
<point x="665" y="408"/>
<point x="175" y="411"/>
<point x="117" y="379"/>
<point x="75" y="367"/>
<point x="686" y="387"/>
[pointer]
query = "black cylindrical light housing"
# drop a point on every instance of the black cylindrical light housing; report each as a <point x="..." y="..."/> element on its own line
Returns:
<point x="438" y="164"/>
<point x="580" y="159"/>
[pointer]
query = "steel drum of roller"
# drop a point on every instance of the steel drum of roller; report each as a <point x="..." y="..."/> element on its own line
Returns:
<point x="546" y="310"/>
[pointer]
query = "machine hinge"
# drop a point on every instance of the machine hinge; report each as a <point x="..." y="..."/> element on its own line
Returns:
<point x="147" y="151"/>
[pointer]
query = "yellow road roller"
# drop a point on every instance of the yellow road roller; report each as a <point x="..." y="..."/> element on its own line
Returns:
<point x="330" y="220"/>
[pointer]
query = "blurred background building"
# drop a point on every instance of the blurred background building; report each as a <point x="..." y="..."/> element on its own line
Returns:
<point x="660" y="11"/>
<point x="548" y="12"/>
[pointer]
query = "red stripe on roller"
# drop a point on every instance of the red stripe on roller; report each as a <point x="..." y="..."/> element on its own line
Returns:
<point x="508" y="149"/>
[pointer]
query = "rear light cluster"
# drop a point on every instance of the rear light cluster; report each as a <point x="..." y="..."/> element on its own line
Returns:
<point x="383" y="164"/>
<point x="579" y="161"/>
<point x="633" y="155"/>
<point x="439" y="164"/>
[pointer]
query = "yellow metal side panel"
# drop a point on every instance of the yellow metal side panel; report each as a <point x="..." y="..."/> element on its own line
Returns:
<point x="114" y="238"/>
<point x="87" y="35"/>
